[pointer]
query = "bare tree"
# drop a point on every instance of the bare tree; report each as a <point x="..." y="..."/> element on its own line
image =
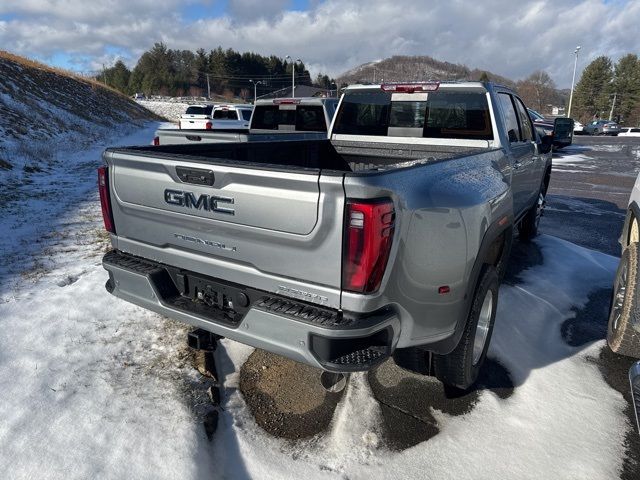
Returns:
<point x="538" y="90"/>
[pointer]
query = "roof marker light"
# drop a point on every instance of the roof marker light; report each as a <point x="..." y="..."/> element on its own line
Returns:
<point x="286" y="101"/>
<point x="410" y="87"/>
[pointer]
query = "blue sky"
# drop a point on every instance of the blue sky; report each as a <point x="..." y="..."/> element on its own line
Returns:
<point x="331" y="36"/>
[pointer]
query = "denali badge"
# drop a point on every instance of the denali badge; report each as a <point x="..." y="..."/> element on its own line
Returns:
<point x="203" y="202"/>
<point x="302" y="295"/>
<point x="208" y="243"/>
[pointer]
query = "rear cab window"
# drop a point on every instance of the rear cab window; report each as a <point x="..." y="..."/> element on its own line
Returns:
<point x="307" y="118"/>
<point x="225" y="114"/>
<point x="436" y="114"/>
<point x="199" y="110"/>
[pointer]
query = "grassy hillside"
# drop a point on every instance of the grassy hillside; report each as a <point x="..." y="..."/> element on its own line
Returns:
<point x="45" y="110"/>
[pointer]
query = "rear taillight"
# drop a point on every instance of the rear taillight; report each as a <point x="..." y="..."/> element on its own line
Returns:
<point x="156" y="141"/>
<point x="368" y="236"/>
<point x="105" y="199"/>
<point x="208" y="125"/>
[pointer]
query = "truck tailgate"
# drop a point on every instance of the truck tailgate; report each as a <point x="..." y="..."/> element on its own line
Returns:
<point x="258" y="227"/>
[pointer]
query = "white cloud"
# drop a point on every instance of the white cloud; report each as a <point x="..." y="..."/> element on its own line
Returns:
<point x="506" y="37"/>
<point x="253" y="9"/>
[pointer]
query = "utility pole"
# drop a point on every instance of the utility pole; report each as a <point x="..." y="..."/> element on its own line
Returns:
<point x="208" y="87"/>
<point x="613" y="105"/>
<point x="104" y="74"/>
<point x="575" y="64"/>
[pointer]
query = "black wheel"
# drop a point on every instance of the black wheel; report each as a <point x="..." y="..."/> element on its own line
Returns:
<point x="414" y="359"/>
<point x="528" y="227"/>
<point x="622" y="337"/>
<point x="459" y="369"/>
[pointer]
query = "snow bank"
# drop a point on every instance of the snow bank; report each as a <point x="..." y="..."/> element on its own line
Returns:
<point x="169" y="110"/>
<point x="94" y="387"/>
<point x="562" y="422"/>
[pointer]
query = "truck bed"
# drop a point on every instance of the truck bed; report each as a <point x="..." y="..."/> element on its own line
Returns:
<point x="312" y="155"/>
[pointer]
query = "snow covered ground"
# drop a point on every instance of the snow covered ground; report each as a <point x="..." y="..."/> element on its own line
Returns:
<point x="93" y="387"/>
<point x="169" y="110"/>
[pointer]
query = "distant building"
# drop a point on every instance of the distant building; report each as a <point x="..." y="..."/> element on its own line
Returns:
<point x="558" y="111"/>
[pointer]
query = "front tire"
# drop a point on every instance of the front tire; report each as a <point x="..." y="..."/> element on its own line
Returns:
<point x="460" y="368"/>
<point x="622" y="337"/>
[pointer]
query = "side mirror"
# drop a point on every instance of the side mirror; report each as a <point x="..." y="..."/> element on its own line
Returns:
<point x="546" y="144"/>
<point x="634" y="379"/>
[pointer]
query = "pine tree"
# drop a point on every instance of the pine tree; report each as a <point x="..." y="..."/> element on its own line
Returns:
<point x="626" y="86"/>
<point x="118" y="77"/>
<point x="592" y="93"/>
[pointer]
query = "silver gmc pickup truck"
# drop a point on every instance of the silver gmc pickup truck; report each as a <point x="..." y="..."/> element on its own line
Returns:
<point x="388" y="238"/>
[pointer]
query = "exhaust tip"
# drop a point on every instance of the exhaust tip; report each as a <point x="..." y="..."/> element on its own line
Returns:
<point x="333" y="382"/>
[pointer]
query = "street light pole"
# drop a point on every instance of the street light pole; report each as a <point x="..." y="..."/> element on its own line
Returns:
<point x="573" y="80"/>
<point x="293" y="75"/>
<point x="255" y="90"/>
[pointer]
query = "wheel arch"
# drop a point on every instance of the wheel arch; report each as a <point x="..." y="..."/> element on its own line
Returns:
<point x="633" y="213"/>
<point x="494" y="250"/>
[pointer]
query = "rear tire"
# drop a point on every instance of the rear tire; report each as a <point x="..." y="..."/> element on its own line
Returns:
<point x="622" y="337"/>
<point x="528" y="227"/>
<point x="460" y="368"/>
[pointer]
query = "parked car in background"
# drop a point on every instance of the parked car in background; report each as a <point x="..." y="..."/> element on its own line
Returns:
<point x="216" y="117"/>
<point x="196" y="117"/>
<point x="578" y="128"/>
<point x="560" y="128"/>
<point x="602" y="127"/>
<point x="629" y="132"/>
<point x="231" y="117"/>
<point x="623" y="331"/>
<point x="139" y="96"/>
<point x="305" y="118"/>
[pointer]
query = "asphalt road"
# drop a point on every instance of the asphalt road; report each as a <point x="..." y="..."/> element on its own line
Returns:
<point x="590" y="186"/>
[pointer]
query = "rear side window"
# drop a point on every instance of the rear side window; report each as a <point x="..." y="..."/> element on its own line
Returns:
<point x="225" y="115"/>
<point x="310" y="118"/>
<point x="635" y="130"/>
<point x="246" y="114"/>
<point x="510" y="117"/>
<point x="456" y="115"/>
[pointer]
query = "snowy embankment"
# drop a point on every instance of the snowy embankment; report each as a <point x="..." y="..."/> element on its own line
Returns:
<point x="94" y="387"/>
<point x="169" y="110"/>
<point x="48" y="114"/>
<point x="91" y="386"/>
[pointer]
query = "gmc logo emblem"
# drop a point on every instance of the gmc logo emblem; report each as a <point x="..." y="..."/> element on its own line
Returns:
<point x="210" y="203"/>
